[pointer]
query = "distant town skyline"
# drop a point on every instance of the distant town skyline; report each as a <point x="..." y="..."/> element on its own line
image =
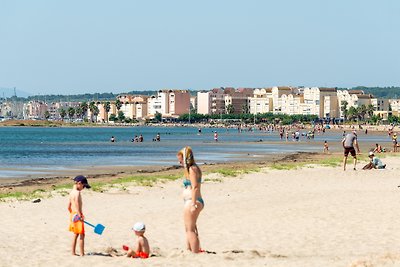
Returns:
<point x="77" y="47"/>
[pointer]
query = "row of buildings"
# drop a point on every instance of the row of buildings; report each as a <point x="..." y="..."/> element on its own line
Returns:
<point x="323" y="102"/>
<point x="169" y="103"/>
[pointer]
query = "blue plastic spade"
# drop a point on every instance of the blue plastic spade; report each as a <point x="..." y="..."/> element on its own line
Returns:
<point x="98" y="229"/>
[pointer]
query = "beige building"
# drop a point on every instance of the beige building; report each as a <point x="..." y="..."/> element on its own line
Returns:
<point x="261" y="101"/>
<point x="291" y="104"/>
<point x="381" y="104"/>
<point x="354" y="98"/>
<point x="395" y="106"/>
<point x="55" y="107"/>
<point x="218" y="100"/>
<point x="34" y="110"/>
<point x="277" y="93"/>
<point x="104" y="116"/>
<point x="133" y="107"/>
<point x="322" y="102"/>
<point x="211" y="102"/>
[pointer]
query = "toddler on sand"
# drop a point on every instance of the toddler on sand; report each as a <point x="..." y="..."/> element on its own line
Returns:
<point x="142" y="248"/>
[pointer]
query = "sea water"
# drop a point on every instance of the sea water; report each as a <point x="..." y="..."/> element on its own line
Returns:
<point x="41" y="148"/>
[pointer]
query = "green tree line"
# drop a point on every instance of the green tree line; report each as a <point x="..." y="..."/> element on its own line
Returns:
<point x="250" y="118"/>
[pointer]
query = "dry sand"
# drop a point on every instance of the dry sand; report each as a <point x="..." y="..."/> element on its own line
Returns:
<point x="316" y="216"/>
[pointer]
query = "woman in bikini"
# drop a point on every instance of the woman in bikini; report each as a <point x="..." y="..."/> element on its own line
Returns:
<point x="193" y="202"/>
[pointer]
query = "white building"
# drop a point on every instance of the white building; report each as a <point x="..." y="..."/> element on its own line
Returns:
<point x="277" y="93"/>
<point x="261" y="102"/>
<point x="170" y="103"/>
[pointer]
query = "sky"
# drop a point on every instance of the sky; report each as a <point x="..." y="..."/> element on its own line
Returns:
<point x="75" y="46"/>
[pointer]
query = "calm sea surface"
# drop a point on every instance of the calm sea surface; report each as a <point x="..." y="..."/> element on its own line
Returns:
<point x="24" y="149"/>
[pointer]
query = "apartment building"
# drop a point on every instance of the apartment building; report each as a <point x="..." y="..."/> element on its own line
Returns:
<point x="277" y="93"/>
<point x="237" y="99"/>
<point x="204" y="102"/>
<point x="292" y="104"/>
<point x="322" y="102"/>
<point x="6" y="109"/>
<point x="354" y="98"/>
<point x="193" y="102"/>
<point x="395" y="106"/>
<point x="34" y="110"/>
<point x="211" y="102"/>
<point x="133" y="107"/>
<point x="261" y="101"/>
<point x="55" y="107"/>
<point x="217" y="97"/>
<point x="219" y="100"/>
<point x="170" y="103"/>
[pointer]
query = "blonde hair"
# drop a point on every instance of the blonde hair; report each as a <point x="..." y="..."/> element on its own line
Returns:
<point x="188" y="158"/>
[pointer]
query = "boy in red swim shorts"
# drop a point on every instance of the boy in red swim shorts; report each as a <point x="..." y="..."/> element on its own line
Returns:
<point x="142" y="248"/>
<point x="76" y="225"/>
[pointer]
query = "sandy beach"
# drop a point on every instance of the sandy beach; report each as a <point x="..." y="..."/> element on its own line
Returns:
<point x="314" y="216"/>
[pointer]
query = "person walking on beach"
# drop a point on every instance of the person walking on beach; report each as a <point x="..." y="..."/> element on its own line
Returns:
<point x="326" y="147"/>
<point x="349" y="142"/>
<point x="76" y="215"/>
<point x="193" y="201"/>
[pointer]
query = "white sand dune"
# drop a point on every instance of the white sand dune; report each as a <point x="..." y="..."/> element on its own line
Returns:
<point x="315" y="216"/>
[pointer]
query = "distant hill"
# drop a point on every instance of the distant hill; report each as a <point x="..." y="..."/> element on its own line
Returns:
<point x="85" y="97"/>
<point x="9" y="92"/>
<point x="379" y="92"/>
<point x="74" y="98"/>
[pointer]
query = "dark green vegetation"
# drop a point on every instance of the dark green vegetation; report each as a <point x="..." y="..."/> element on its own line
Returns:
<point x="249" y="118"/>
<point x="80" y="97"/>
<point x="378" y="92"/>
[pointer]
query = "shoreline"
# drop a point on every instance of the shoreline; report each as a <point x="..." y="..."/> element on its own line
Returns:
<point x="107" y="174"/>
<point x="51" y="178"/>
<point x="49" y="124"/>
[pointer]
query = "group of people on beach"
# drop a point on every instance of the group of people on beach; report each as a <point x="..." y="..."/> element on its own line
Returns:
<point x="193" y="205"/>
<point x="192" y="197"/>
<point x="350" y="145"/>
